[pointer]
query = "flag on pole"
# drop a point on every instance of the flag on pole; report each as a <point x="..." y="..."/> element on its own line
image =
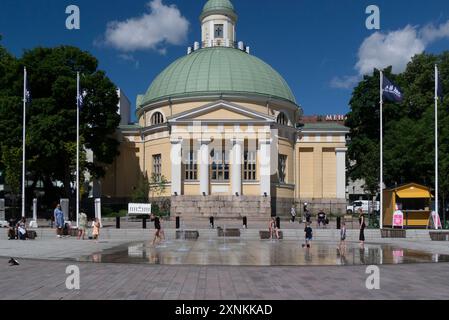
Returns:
<point x="81" y="96"/>
<point x="391" y="91"/>
<point x="27" y="92"/>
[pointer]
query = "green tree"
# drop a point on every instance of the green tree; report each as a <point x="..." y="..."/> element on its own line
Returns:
<point x="408" y="127"/>
<point x="12" y="164"/>
<point x="142" y="190"/>
<point x="51" y="118"/>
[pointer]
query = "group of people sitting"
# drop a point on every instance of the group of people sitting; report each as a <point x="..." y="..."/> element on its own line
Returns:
<point x="17" y="231"/>
<point x="322" y="219"/>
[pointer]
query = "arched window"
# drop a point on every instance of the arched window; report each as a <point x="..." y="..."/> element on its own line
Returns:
<point x="282" y="119"/>
<point x="157" y="118"/>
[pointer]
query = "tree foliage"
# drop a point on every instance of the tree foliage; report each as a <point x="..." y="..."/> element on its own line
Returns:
<point x="408" y="127"/>
<point x="51" y="117"/>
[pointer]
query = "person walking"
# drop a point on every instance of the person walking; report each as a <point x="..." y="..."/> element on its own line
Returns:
<point x="293" y="213"/>
<point x="342" y="246"/>
<point x="82" y="225"/>
<point x="96" y="229"/>
<point x="159" y="232"/>
<point x="362" y="228"/>
<point x="59" y="220"/>
<point x="308" y="235"/>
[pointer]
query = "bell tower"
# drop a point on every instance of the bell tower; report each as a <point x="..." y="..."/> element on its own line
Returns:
<point x="218" y="21"/>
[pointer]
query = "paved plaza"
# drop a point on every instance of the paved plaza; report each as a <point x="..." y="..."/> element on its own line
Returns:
<point x="40" y="279"/>
<point x="123" y="265"/>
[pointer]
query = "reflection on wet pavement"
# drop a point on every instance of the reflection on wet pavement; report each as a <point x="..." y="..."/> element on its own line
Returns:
<point x="260" y="253"/>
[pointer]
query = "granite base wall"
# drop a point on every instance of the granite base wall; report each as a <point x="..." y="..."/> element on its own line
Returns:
<point x="229" y="207"/>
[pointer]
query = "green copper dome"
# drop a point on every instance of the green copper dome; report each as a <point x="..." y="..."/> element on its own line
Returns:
<point x="217" y="70"/>
<point x="218" y="7"/>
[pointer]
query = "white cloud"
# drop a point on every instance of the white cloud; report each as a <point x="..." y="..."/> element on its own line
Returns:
<point x="392" y="49"/>
<point x="395" y="48"/>
<point x="430" y="33"/>
<point x="345" y="82"/>
<point x="154" y="30"/>
<point x="129" y="58"/>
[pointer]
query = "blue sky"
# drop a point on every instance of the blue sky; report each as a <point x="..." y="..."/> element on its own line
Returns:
<point x="321" y="47"/>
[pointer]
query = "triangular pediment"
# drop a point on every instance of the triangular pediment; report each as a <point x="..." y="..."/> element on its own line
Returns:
<point x="223" y="112"/>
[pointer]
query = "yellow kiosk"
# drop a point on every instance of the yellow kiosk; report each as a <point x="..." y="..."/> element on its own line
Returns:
<point x="413" y="200"/>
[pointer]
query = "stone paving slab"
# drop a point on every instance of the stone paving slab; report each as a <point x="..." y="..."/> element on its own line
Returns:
<point x="38" y="279"/>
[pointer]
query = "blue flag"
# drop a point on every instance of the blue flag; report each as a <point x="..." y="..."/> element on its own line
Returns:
<point x="27" y="92"/>
<point x="440" y="88"/>
<point x="81" y="97"/>
<point x="391" y="92"/>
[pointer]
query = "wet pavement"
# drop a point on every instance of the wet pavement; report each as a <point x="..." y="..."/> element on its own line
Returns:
<point x="238" y="252"/>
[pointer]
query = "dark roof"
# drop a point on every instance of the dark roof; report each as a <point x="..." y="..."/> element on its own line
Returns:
<point x="324" y="126"/>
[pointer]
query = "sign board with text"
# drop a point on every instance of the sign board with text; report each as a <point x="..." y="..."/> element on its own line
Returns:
<point x="139" y="208"/>
<point x="398" y="219"/>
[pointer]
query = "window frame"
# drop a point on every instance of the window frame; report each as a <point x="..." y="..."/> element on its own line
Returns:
<point x="157" y="118"/>
<point x="249" y="166"/>
<point x="220" y="165"/>
<point x="191" y="166"/>
<point x="282" y="119"/>
<point x="157" y="166"/>
<point x="218" y="25"/>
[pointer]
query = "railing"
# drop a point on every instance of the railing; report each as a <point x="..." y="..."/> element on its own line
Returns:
<point x="219" y="43"/>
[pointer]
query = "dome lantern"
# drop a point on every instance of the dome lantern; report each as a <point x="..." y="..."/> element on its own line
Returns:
<point x="218" y="20"/>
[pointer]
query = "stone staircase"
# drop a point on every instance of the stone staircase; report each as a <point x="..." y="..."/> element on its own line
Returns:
<point x="225" y="207"/>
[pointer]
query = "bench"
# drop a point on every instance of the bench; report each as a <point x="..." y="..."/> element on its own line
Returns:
<point x="439" y="236"/>
<point x="187" y="234"/>
<point x="394" y="233"/>
<point x="265" y="235"/>
<point x="228" y="232"/>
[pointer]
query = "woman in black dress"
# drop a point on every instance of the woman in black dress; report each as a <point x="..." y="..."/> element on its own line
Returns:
<point x="362" y="228"/>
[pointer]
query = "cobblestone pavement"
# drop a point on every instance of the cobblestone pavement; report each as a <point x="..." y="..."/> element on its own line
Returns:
<point x="40" y="279"/>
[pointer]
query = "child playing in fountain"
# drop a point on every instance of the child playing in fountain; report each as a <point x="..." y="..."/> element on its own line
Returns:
<point x="308" y="235"/>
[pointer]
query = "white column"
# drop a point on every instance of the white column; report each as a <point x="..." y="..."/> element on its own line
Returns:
<point x="204" y="162"/>
<point x="176" y="166"/>
<point x="98" y="211"/>
<point x="225" y="33"/>
<point x="341" y="172"/>
<point x="265" y="166"/>
<point x="237" y="155"/>
<point x="212" y="32"/>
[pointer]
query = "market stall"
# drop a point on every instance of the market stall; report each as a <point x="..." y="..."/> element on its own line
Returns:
<point x="413" y="200"/>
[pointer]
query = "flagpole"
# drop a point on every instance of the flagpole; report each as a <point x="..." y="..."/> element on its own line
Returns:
<point x="77" y="147"/>
<point x="381" y="151"/>
<point x="436" y="147"/>
<point x="23" y="138"/>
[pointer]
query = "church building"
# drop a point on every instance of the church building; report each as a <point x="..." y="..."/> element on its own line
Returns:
<point x="222" y="129"/>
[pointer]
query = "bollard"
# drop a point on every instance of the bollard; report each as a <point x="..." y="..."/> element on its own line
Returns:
<point x="178" y="224"/>
<point x="338" y="223"/>
<point x="245" y="222"/>
<point x="117" y="222"/>
<point x="211" y="222"/>
<point x="278" y="223"/>
<point x="144" y="222"/>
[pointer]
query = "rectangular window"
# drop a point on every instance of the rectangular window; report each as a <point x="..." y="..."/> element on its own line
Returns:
<point x="218" y="31"/>
<point x="191" y="166"/>
<point x="157" y="167"/>
<point x="249" y="166"/>
<point x="220" y="165"/>
<point x="282" y="168"/>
